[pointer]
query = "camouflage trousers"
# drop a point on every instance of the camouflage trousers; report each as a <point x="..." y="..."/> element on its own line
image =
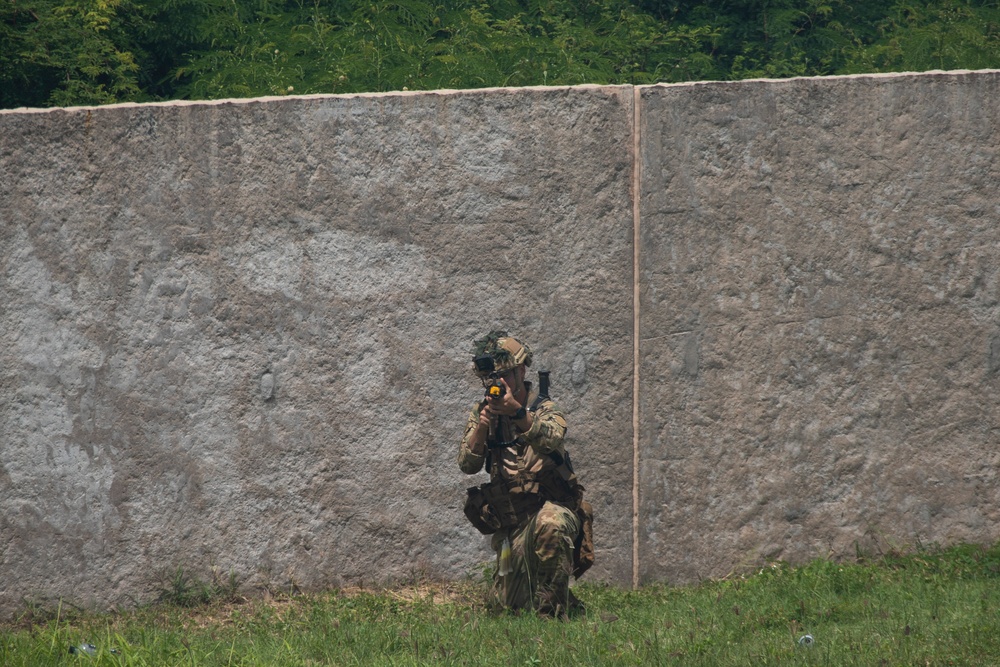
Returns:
<point x="541" y="560"/>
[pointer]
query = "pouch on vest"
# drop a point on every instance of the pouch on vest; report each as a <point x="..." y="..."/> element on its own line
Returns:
<point x="509" y="504"/>
<point x="478" y="512"/>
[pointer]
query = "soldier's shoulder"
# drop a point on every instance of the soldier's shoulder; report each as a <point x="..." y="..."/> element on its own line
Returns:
<point x="549" y="409"/>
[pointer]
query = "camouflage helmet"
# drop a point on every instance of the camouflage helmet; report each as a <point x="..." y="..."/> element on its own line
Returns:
<point x="506" y="351"/>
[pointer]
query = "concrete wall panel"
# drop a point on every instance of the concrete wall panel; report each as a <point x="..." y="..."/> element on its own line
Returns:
<point x="237" y="334"/>
<point x="820" y="317"/>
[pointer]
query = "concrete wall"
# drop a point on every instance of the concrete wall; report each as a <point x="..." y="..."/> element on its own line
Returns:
<point x="236" y="334"/>
<point x="820" y="318"/>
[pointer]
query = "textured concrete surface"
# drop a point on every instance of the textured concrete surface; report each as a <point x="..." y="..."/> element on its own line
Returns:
<point x="237" y="335"/>
<point x="820" y="318"/>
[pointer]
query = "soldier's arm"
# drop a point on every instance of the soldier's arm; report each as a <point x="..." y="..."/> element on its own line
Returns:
<point x="548" y="429"/>
<point x="472" y="451"/>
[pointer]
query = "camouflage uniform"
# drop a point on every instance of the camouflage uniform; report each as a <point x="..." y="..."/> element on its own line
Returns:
<point x="542" y="544"/>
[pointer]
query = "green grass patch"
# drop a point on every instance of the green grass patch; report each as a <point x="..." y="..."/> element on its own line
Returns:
<point x="935" y="607"/>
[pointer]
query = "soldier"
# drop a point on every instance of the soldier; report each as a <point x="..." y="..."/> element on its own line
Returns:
<point x="532" y="505"/>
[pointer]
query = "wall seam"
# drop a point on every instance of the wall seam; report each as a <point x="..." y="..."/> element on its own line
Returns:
<point x="636" y="210"/>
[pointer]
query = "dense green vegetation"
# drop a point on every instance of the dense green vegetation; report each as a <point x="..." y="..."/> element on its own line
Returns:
<point x="62" y="52"/>
<point x="929" y="608"/>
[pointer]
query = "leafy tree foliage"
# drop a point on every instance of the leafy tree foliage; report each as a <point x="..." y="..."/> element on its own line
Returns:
<point x="419" y="45"/>
<point x="58" y="52"/>
<point x="931" y="35"/>
<point x="62" y="52"/>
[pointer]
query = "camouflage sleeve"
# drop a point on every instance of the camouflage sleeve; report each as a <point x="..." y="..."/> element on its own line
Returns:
<point x="468" y="462"/>
<point x="548" y="428"/>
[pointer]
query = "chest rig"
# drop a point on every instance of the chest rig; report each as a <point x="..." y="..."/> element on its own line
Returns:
<point x="511" y="497"/>
<point x="521" y="480"/>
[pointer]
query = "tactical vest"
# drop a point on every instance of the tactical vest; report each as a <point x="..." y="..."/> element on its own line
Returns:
<point x="508" y="503"/>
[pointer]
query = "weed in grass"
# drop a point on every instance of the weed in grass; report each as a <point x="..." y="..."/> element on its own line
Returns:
<point x="180" y="588"/>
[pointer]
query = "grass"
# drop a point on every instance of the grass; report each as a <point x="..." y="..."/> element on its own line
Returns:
<point x="935" y="607"/>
